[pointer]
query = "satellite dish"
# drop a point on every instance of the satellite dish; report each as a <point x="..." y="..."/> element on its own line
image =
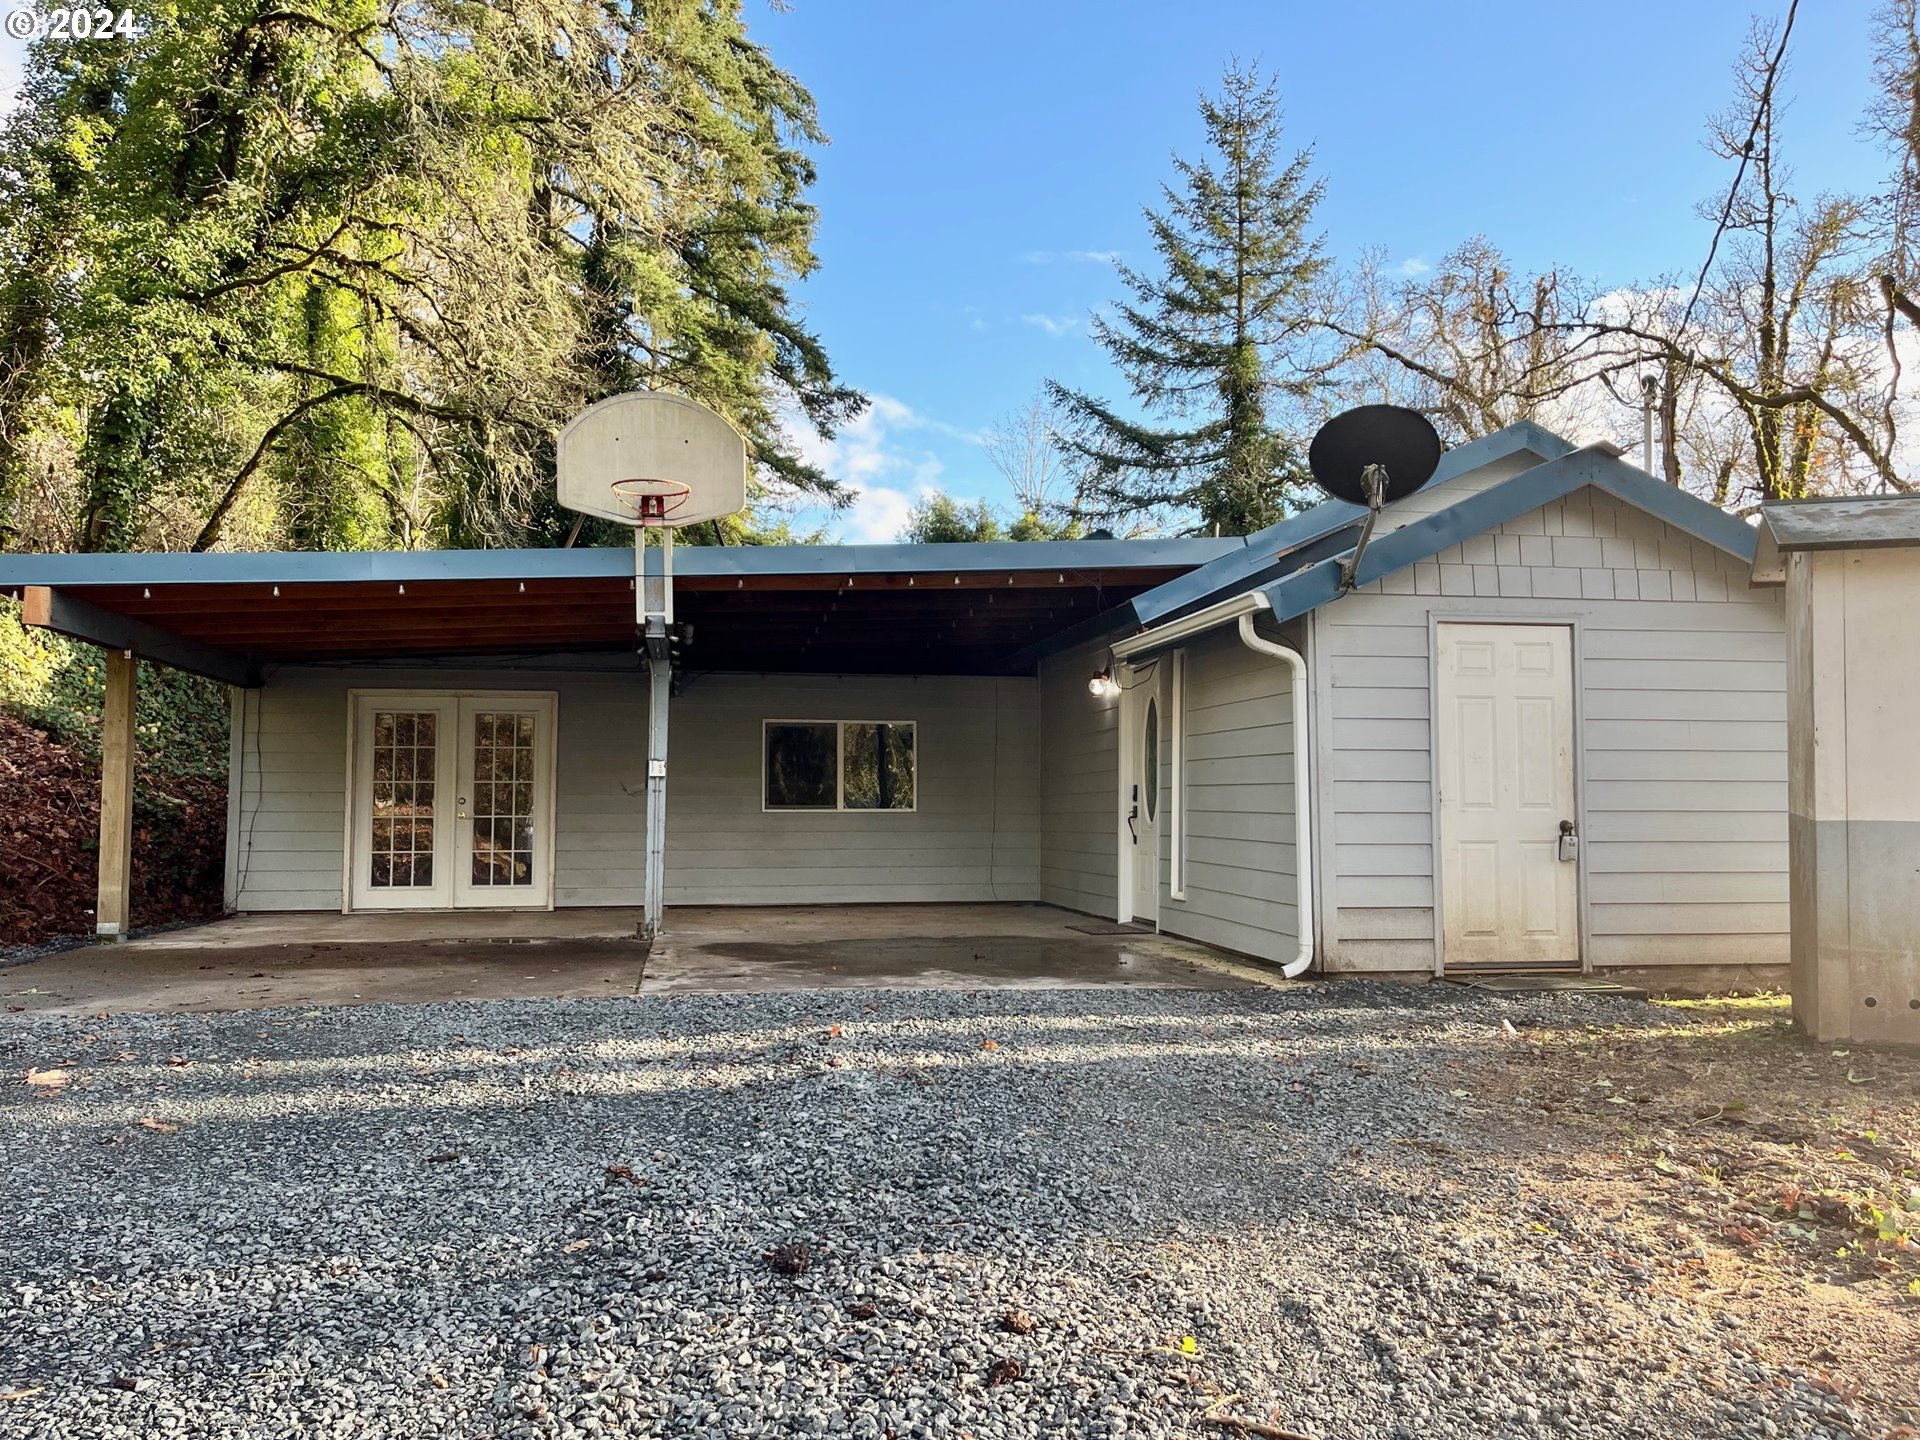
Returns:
<point x="1402" y="442"/>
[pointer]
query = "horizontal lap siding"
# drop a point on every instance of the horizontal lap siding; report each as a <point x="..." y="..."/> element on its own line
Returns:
<point x="975" y="835"/>
<point x="1240" y="867"/>
<point x="1079" y="785"/>
<point x="1683" y="764"/>
<point x="289" y="824"/>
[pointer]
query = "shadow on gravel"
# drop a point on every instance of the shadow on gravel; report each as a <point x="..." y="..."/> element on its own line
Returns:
<point x="357" y="1197"/>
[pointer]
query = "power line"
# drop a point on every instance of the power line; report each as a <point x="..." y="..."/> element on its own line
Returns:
<point x="1760" y="111"/>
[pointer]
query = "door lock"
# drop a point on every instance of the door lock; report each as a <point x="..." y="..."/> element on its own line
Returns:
<point x="1569" y="840"/>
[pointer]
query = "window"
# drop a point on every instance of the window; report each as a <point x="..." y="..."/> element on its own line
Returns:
<point x="1150" y="760"/>
<point x="839" y="765"/>
<point x="405" y="760"/>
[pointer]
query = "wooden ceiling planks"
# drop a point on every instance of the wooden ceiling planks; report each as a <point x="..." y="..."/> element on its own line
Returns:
<point x="894" y="623"/>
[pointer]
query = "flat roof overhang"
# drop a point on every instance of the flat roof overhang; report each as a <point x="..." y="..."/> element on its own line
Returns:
<point x="905" y="609"/>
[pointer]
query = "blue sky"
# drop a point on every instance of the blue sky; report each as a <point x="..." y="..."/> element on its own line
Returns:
<point x="986" y="157"/>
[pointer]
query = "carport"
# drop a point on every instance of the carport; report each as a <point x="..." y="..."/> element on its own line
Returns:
<point x="944" y="638"/>
<point x="311" y="960"/>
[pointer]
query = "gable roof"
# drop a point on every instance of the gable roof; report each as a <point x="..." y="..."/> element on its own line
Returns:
<point x="1476" y="514"/>
<point x="1293" y="542"/>
<point x="1309" y="575"/>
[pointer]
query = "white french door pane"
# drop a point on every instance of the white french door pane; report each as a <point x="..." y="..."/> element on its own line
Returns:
<point x="505" y="769"/>
<point x="501" y="844"/>
<point x="405" y="760"/>
<point x="401" y="774"/>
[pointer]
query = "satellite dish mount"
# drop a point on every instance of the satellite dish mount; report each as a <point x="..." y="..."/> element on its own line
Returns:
<point x="1372" y="455"/>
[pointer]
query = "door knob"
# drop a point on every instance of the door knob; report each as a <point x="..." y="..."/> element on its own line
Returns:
<point x="1569" y="840"/>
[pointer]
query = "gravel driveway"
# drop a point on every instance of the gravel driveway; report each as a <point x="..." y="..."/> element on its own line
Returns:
<point x="1073" y="1213"/>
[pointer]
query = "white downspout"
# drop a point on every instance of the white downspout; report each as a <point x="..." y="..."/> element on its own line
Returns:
<point x="1302" y="816"/>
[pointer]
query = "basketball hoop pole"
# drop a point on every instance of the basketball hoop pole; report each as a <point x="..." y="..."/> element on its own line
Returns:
<point x="655" y="607"/>
<point x="654" y="461"/>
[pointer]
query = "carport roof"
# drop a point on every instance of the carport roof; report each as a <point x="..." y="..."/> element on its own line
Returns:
<point x="959" y="608"/>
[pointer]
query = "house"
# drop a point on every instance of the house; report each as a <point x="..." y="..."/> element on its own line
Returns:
<point x="1545" y="722"/>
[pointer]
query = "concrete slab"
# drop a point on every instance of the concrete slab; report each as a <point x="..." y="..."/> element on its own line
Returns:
<point x="310" y="960"/>
<point x="179" y="977"/>
<point x="922" y="947"/>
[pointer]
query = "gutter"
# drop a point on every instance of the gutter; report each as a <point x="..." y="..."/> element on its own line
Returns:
<point x="1244" y="609"/>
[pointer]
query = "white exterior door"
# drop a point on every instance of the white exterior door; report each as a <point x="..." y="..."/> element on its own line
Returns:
<point x="452" y="802"/>
<point x="1504" y="747"/>
<point x="1140" y="804"/>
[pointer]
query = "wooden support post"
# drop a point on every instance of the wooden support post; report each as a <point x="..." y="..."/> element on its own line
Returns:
<point x="113" y="914"/>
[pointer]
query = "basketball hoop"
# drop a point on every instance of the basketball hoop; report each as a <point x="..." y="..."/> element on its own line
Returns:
<point x="651" y="501"/>
<point x="644" y="435"/>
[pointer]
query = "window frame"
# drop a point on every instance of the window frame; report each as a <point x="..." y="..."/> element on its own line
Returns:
<point x="840" y="806"/>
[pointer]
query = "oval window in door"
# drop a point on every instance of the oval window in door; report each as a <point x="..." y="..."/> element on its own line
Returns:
<point x="1150" y="759"/>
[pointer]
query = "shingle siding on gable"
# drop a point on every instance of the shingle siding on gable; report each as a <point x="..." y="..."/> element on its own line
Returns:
<point x="1681" y="672"/>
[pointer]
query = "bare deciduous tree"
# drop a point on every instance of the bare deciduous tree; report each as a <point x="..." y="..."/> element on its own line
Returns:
<point x="1024" y="446"/>
<point x="1471" y="342"/>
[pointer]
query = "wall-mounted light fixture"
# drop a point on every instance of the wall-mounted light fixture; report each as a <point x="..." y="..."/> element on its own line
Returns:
<point x="1102" y="685"/>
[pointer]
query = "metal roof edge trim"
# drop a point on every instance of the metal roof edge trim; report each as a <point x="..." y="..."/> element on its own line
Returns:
<point x="282" y="567"/>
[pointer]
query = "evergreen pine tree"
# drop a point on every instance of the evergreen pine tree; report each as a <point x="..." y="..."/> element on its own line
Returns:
<point x="1209" y="342"/>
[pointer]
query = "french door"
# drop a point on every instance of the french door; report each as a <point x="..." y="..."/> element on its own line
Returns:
<point x="451" y="801"/>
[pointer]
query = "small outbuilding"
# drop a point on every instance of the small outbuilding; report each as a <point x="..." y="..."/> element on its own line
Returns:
<point x="1851" y="571"/>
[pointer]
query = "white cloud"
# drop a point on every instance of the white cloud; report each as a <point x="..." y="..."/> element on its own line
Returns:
<point x="1055" y="325"/>
<point x="878" y="514"/>
<point x="1410" y="268"/>
<point x="878" y="459"/>
<point x="1071" y="257"/>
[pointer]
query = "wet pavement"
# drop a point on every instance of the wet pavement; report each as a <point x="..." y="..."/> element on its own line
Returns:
<point x="314" y="960"/>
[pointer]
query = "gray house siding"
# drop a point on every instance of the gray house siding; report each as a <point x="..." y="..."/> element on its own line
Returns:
<point x="1239" y="862"/>
<point x="1079" y="780"/>
<point x="974" y="835"/>
<point x="1680" y="675"/>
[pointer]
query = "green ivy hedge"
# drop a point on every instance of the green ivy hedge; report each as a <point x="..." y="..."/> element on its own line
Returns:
<point x="57" y="686"/>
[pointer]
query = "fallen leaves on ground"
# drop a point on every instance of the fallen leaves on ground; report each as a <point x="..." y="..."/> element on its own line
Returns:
<point x="164" y="1127"/>
<point x="49" y="880"/>
<point x="48" y="1079"/>
<point x="794" y="1259"/>
<point x="1771" y="1177"/>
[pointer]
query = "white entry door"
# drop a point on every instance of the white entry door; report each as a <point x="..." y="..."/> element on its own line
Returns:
<point x="1504" y="747"/>
<point x="1140" y="808"/>
<point x="452" y="801"/>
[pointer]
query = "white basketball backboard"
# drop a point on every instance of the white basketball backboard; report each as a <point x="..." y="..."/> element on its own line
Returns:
<point x="651" y="435"/>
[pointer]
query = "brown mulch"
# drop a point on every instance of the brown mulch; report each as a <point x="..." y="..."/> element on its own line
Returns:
<point x="49" y="840"/>
<point x="1761" y="1176"/>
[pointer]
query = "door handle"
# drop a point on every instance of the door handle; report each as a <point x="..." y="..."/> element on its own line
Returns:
<point x="1569" y="840"/>
<point x="1131" y="828"/>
